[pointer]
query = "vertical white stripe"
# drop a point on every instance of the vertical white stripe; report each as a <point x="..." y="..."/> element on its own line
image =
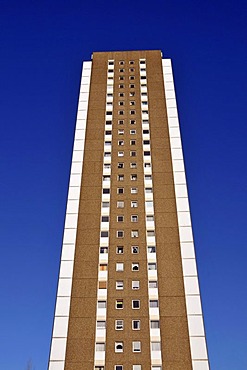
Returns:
<point x="191" y="285"/>
<point x="61" y="320"/>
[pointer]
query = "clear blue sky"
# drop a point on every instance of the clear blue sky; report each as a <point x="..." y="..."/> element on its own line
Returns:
<point x="42" y="46"/>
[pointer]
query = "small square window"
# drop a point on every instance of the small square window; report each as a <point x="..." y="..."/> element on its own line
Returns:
<point x="132" y="121"/>
<point x="135" y="266"/>
<point x="119" y="285"/>
<point x="119" y="266"/>
<point x="100" y="347"/>
<point x="103" y="250"/>
<point x="132" y="102"/>
<point x="120" y="204"/>
<point x="121" y="78"/>
<point x="155" y="346"/>
<point x="133" y="153"/>
<point x="121" y="95"/>
<point x="136" y="346"/>
<point x="102" y="284"/>
<point x="136" y="304"/>
<point x="133" y="177"/>
<point x="131" y="69"/>
<point x="119" y="303"/>
<point x="120" y="233"/>
<point x="118" y="346"/>
<point x="105" y="219"/>
<point x="152" y="266"/>
<point x="136" y="285"/>
<point x="99" y="368"/>
<point x="134" y="218"/>
<point x="132" y="112"/>
<point x="121" y="70"/>
<point x="153" y="284"/>
<point x="145" y="132"/>
<point x="150" y="233"/>
<point x="134" y="204"/>
<point x="133" y="165"/>
<point x="148" y="190"/>
<point x="146" y="153"/>
<point x="132" y="77"/>
<point x="154" y="324"/>
<point x="132" y="142"/>
<point x="120" y="165"/>
<point x="134" y="249"/>
<point x="120" y="142"/>
<point x="120" y="177"/>
<point x="131" y="62"/>
<point x="121" y="86"/>
<point x="151" y="249"/>
<point x="156" y="368"/>
<point x="121" y="122"/>
<point x="121" y="62"/>
<point x="119" y="324"/>
<point x="121" y="102"/>
<point x="136" y="324"/>
<point x="146" y="142"/>
<point x="120" y="132"/>
<point x="119" y="249"/>
<point x="120" y="190"/>
<point x="153" y="303"/>
<point x="103" y="267"/>
<point x="120" y="218"/>
<point x="118" y="367"/>
<point x="132" y="93"/>
<point x="120" y="154"/>
<point x="134" y="233"/>
<point x="121" y="112"/>
<point x="134" y="190"/>
<point x="132" y="132"/>
<point x="110" y="62"/>
<point x="132" y="86"/>
<point x="101" y="304"/>
<point x="137" y="367"/>
<point x="107" y="154"/>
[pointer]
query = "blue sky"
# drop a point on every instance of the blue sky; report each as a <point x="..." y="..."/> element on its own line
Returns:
<point x="42" y="46"/>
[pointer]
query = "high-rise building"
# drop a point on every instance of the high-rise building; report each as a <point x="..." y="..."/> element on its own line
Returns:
<point x="128" y="295"/>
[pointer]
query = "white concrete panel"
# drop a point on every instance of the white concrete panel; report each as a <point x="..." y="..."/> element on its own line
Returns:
<point x="189" y="267"/>
<point x="172" y="121"/>
<point x="60" y="328"/>
<point x="68" y="252"/>
<point x="169" y="86"/>
<point x="99" y="355"/>
<point x="168" y="77"/>
<point x="175" y="143"/>
<point x="170" y="95"/>
<point x="181" y="190"/>
<point x="82" y="105"/>
<point x="200" y="365"/>
<point x="72" y="206"/>
<point x="66" y="269"/>
<point x="64" y="287"/>
<point x="69" y="236"/>
<point x="198" y="348"/>
<point x="84" y="88"/>
<point x="80" y="134"/>
<point x="84" y="96"/>
<point x="171" y="103"/>
<point x="196" y="327"/>
<point x="71" y="221"/>
<point x="58" y="348"/>
<point x="174" y="132"/>
<point x="187" y="250"/>
<point x="76" y="168"/>
<point x="185" y="234"/>
<point x="56" y="365"/>
<point x="86" y="72"/>
<point x="75" y="180"/>
<point x="182" y="204"/>
<point x="156" y="355"/>
<point x="184" y="219"/>
<point x="191" y="285"/>
<point x="81" y="124"/>
<point x="177" y="154"/>
<point x="62" y="306"/>
<point x="172" y="112"/>
<point x="166" y="62"/>
<point x="85" y="80"/>
<point x="193" y="304"/>
<point x="87" y="65"/>
<point x="179" y="178"/>
<point x="81" y="114"/>
<point x="78" y="145"/>
<point x="78" y="155"/>
<point x="74" y="192"/>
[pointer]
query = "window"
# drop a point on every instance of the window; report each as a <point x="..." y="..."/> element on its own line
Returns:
<point x="149" y="204"/>
<point x="121" y="63"/>
<point x="106" y="191"/>
<point x="108" y="132"/>
<point x="104" y="234"/>
<point x="133" y="177"/>
<point x="110" y="62"/>
<point x="135" y="266"/>
<point x="153" y="303"/>
<point x="119" y="324"/>
<point x="155" y="346"/>
<point x="118" y="346"/>
<point x="132" y="93"/>
<point x="136" y="285"/>
<point x="132" y="102"/>
<point x="148" y="177"/>
<point x="144" y="103"/>
<point x="152" y="266"/>
<point x="107" y="143"/>
<point x="106" y="178"/>
<point x="105" y="219"/>
<point x="154" y="324"/>
<point x="119" y="304"/>
<point x="131" y="62"/>
<point x="136" y="346"/>
<point x="120" y="250"/>
<point x="150" y="217"/>
<point x="135" y="249"/>
<point x="101" y="304"/>
<point x="121" y="122"/>
<point x="121" y="78"/>
<point x="120" y="204"/>
<point x="120" y="177"/>
<point x="134" y="218"/>
<point x="121" y="102"/>
<point x="132" y="132"/>
<point x="153" y="284"/>
<point x="132" y="112"/>
<point x="134" y="233"/>
<point x="146" y="153"/>
<point x="144" y="94"/>
<point x="100" y="347"/>
<point x="145" y="131"/>
<point x="103" y="250"/>
<point x="145" y="112"/>
<point x="156" y="368"/>
<point x="132" y="121"/>
<point x="132" y="86"/>
<point x="132" y="142"/>
<point x="109" y="113"/>
<point x="120" y="142"/>
<point x="148" y="190"/>
<point x="118" y="367"/>
<point x="132" y="77"/>
<point x="101" y="324"/>
<point x="102" y="284"/>
<point x="121" y="86"/>
<point x="119" y="266"/>
<point x="133" y="190"/>
<point x="120" y="233"/>
<point x="150" y="233"/>
<point x="142" y="61"/>
<point x="120" y="218"/>
<point x="120" y="154"/>
<point x="133" y="153"/>
<point x="99" y="368"/>
<point x="120" y="190"/>
<point x="120" y="132"/>
<point x="103" y="267"/>
<point x="133" y="165"/>
<point x="121" y="95"/>
<point x="119" y="285"/>
<point x="136" y="304"/>
<point x="132" y="69"/>
<point x="134" y="204"/>
<point x="107" y="154"/>
<point x="108" y="122"/>
<point x="136" y="324"/>
<point x="120" y="165"/>
<point x="137" y="367"/>
<point x="146" y="142"/>
<point x="151" y="249"/>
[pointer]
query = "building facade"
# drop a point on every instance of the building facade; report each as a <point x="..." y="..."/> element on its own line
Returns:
<point x="128" y="295"/>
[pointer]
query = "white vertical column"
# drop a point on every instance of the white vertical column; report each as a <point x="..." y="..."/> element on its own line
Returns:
<point x="191" y="285"/>
<point x="61" y="320"/>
